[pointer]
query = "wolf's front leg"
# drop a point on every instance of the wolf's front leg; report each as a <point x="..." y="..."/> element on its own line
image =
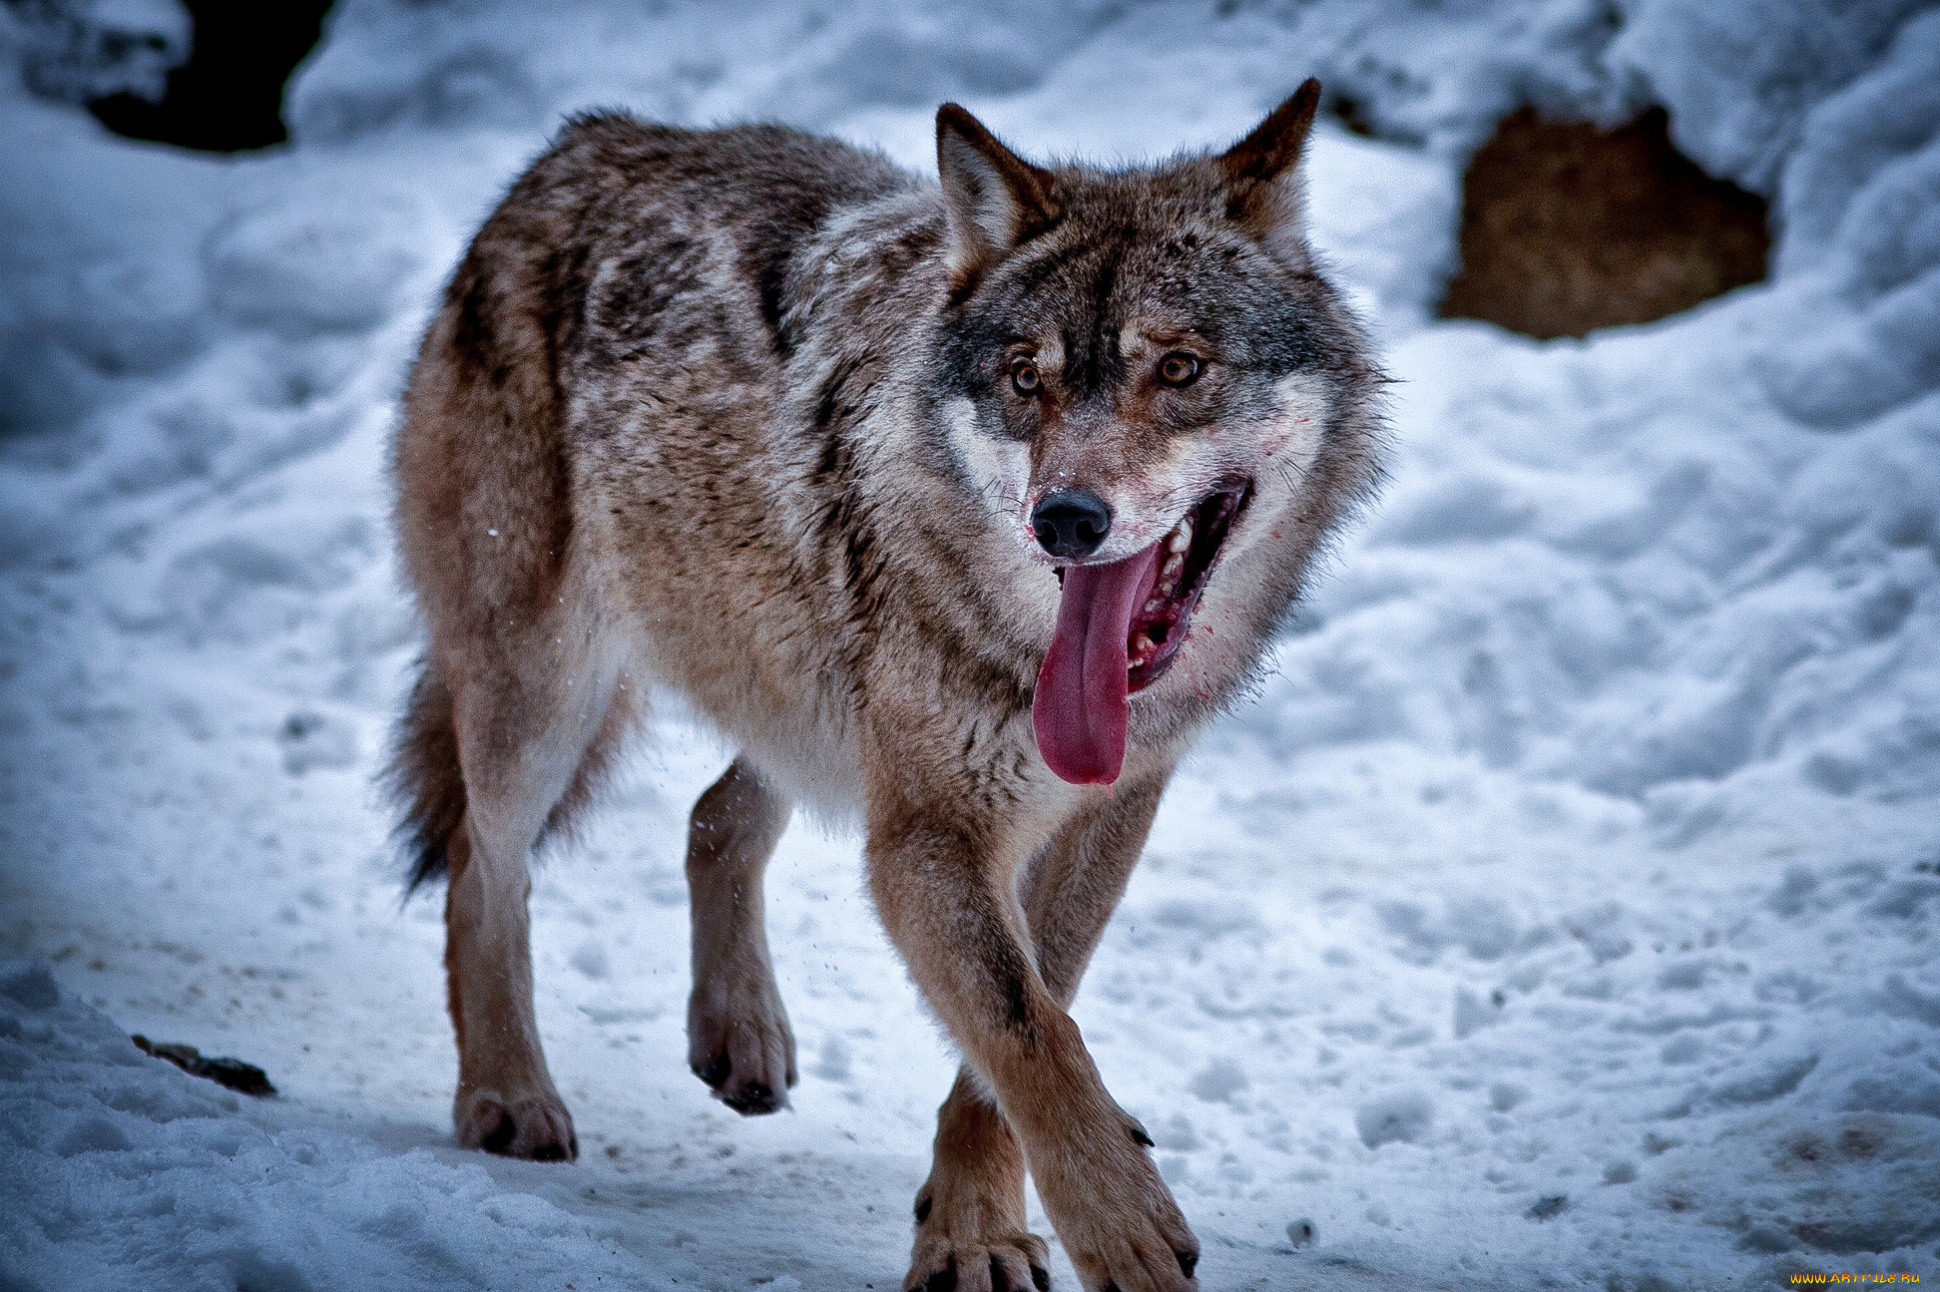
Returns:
<point x="972" y="1205"/>
<point x="971" y="1231"/>
<point x="939" y="870"/>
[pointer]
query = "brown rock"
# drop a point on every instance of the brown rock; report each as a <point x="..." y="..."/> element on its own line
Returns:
<point x="1567" y="227"/>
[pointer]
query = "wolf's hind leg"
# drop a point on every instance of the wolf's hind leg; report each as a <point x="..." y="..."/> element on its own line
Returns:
<point x="505" y="1102"/>
<point x="530" y="746"/>
<point x="738" y="1039"/>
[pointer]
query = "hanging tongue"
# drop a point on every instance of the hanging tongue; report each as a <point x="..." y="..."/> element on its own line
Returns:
<point x="1079" y="712"/>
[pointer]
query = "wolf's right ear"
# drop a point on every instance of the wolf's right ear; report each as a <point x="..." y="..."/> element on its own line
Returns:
<point x="994" y="198"/>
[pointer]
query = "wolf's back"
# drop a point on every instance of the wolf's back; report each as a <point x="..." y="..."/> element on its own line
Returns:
<point x="626" y="244"/>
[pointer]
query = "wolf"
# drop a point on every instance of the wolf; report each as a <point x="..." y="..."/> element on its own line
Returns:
<point x="959" y="506"/>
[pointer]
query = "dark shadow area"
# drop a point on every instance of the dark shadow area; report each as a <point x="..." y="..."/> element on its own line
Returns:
<point x="1567" y="227"/>
<point x="229" y="96"/>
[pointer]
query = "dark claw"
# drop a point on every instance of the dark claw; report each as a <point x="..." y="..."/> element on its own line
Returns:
<point x="506" y="1130"/>
<point x="501" y="1135"/>
<point x="1139" y="1136"/>
<point x="753" y="1099"/>
<point x="1000" y="1281"/>
<point x="923" y="1208"/>
<point x="944" y="1280"/>
<point x="1188" y="1262"/>
<point x="715" y="1071"/>
<point x="557" y="1152"/>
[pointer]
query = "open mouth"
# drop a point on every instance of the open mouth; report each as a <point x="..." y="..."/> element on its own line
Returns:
<point x="1158" y="626"/>
<point x="1120" y="626"/>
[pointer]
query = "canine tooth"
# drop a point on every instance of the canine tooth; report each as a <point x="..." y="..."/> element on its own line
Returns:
<point x="1181" y="537"/>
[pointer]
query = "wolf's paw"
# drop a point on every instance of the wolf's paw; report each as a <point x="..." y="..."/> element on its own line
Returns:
<point x="532" y="1126"/>
<point x="970" y="1226"/>
<point x="1118" y="1222"/>
<point x="739" y="1043"/>
<point x="943" y="1262"/>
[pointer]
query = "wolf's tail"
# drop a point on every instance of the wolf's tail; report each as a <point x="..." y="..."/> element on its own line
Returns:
<point x="424" y="775"/>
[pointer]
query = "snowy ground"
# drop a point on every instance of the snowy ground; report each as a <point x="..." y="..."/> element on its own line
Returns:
<point x="1562" y="915"/>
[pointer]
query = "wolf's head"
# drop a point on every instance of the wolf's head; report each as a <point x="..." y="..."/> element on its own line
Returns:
<point x="1146" y="379"/>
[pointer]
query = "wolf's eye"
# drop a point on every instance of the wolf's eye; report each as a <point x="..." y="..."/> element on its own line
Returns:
<point x="1023" y="376"/>
<point x="1178" y="369"/>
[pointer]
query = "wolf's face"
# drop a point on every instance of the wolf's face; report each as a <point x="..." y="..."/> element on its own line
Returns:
<point x="1139" y="372"/>
<point x="1152" y="359"/>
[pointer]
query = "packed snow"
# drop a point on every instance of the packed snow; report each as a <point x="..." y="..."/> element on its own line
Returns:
<point x="1561" y="913"/>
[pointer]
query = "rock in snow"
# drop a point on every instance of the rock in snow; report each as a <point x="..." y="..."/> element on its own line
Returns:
<point x="1617" y="724"/>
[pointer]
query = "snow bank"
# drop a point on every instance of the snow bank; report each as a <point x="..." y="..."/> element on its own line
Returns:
<point x="74" y="51"/>
<point x="1561" y="912"/>
<point x="117" y="1167"/>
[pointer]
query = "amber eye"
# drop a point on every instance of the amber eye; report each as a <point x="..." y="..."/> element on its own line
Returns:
<point x="1023" y="376"/>
<point x="1178" y="369"/>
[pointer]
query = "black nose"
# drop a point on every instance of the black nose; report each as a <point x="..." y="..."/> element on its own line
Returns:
<point x="1071" y="522"/>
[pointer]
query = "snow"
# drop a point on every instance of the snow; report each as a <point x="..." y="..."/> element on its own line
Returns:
<point x="1560" y="914"/>
<point x="76" y="50"/>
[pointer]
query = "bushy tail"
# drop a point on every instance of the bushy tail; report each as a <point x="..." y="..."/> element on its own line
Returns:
<point x="425" y="777"/>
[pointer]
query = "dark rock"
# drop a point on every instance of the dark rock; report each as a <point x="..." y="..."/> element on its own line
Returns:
<point x="244" y="1078"/>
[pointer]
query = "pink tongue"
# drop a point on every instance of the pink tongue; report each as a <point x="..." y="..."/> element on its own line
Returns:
<point x="1079" y="712"/>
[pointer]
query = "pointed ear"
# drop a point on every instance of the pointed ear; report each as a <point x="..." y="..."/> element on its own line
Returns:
<point x="1263" y="174"/>
<point x="994" y="198"/>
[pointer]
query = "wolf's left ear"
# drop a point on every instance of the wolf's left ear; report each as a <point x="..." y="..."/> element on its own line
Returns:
<point x="1263" y="174"/>
<point x="995" y="199"/>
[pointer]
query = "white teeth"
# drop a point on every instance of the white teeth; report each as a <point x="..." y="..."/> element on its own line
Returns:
<point x="1181" y="538"/>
